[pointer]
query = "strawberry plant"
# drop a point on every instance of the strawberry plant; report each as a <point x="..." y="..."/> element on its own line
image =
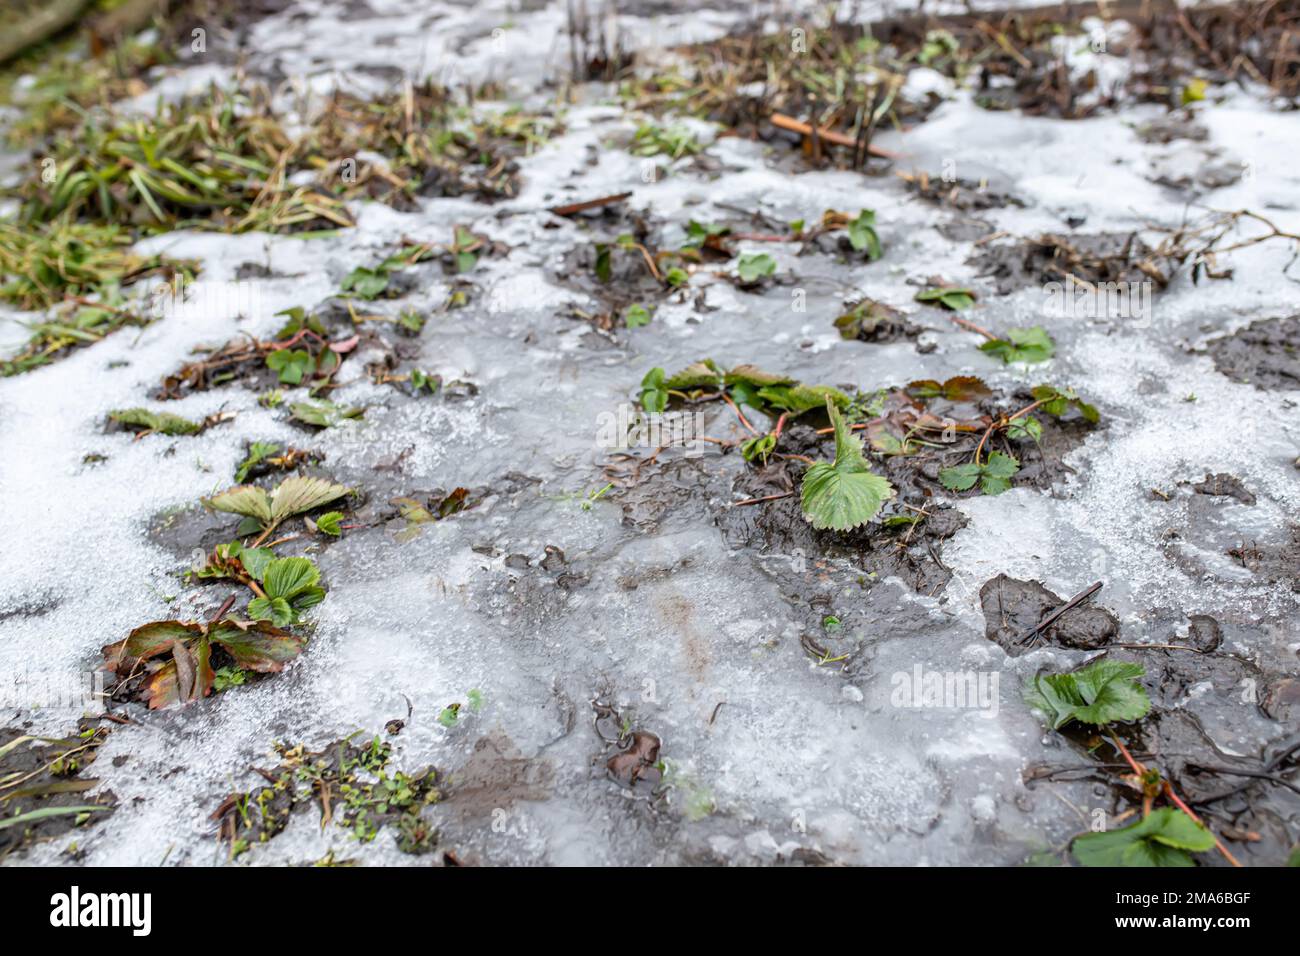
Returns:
<point x="844" y="493"/>
<point x="1103" y="693"/>
<point x="177" y="655"/>
<point x="994" y="476"/>
<point x="265" y="510"/>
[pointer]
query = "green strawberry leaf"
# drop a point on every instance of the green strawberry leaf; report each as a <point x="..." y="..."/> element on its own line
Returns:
<point x="654" y="393"/>
<point x="149" y="640"/>
<point x="258" y="452"/>
<point x="754" y="266"/>
<point x="323" y="414"/>
<point x="994" y="476"/>
<point x="298" y="494"/>
<point x="801" y="398"/>
<point x="1022" y="345"/>
<point x="959" y="388"/>
<point x="960" y="478"/>
<point x="329" y="523"/>
<point x="1161" y="839"/>
<point x="843" y="494"/>
<point x="1101" y="693"/>
<point x="254" y="560"/>
<point x="276" y="610"/>
<point x="1057" y="401"/>
<point x="635" y="316"/>
<point x="862" y="234"/>
<point x="366" y="283"/>
<point x="1025" y="428"/>
<point x="948" y="297"/>
<point x="293" y="365"/>
<point x="162" y="422"/>
<point x="247" y="500"/>
<point x="288" y="577"/>
<point x="758" y="447"/>
<point x="702" y="374"/>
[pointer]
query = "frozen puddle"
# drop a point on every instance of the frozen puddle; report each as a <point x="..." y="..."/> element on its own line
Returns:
<point x="557" y="602"/>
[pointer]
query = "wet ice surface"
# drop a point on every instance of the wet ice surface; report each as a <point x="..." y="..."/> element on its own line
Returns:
<point x="685" y="637"/>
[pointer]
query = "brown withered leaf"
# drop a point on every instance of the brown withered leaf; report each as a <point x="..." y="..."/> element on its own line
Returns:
<point x="959" y="388"/>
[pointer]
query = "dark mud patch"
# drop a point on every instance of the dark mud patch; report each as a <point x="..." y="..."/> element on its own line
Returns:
<point x="1203" y="633"/>
<point x="654" y="786"/>
<point x="1172" y="674"/>
<point x="1014" y="612"/>
<point x="1281" y="700"/>
<point x="1265" y="354"/>
<point x="615" y="265"/>
<point x="1272" y="564"/>
<point x="527" y="590"/>
<point x="918" y="434"/>
<point x="244" y="361"/>
<point x="909" y="549"/>
<point x="266" y="459"/>
<point x="235" y="362"/>
<point x="1020" y="67"/>
<point x="667" y="490"/>
<point x="227" y="28"/>
<point x="1224" y="486"/>
<point x="1011" y="55"/>
<point x="1246" y="797"/>
<point x="1175" y="126"/>
<point x="1247" y="802"/>
<point x="28" y="608"/>
<point x="872" y="321"/>
<point x="961" y="195"/>
<point x="189" y="533"/>
<point x="742" y="79"/>
<point x="1243" y="798"/>
<point x="965" y="229"/>
<point x="311" y="347"/>
<point x="47" y="776"/>
<point x="832" y="241"/>
<point x="1193" y="545"/>
<point x="1221" y="730"/>
<point x="1215" y="171"/>
<point x="1040" y="84"/>
<point x="350" y="784"/>
<point x="1096" y="259"/>
<point x="257" y="270"/>
<point x="524" y="588"/>
<point x="496" y="776"/>
<point x="458" y="152"/>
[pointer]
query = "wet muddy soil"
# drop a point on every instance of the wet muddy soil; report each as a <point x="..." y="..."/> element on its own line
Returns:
<point x="1265" y="354"/>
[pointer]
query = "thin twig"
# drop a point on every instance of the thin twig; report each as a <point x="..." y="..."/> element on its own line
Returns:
<point x="1055" y="615"/>
<point x="577" y="207"/>
<point x="755" y="501"/>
